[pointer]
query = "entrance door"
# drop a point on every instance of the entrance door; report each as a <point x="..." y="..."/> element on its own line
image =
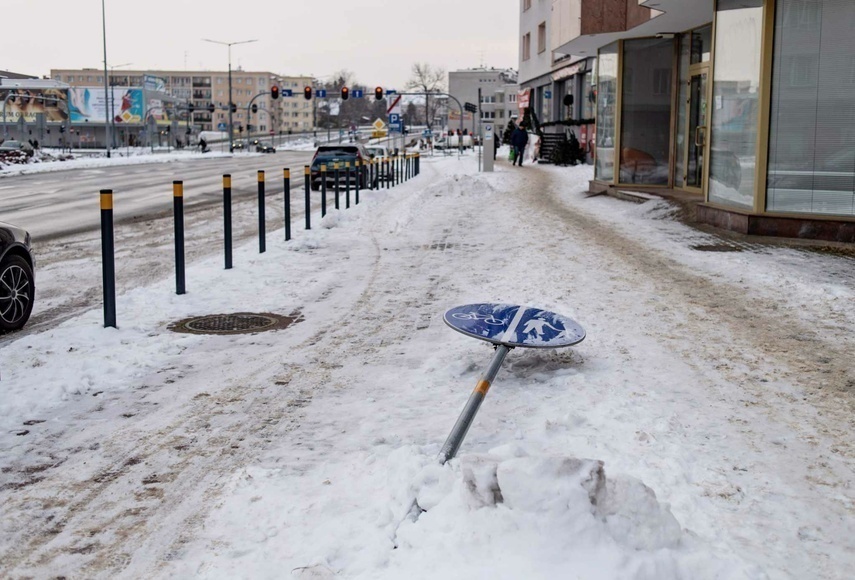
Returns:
<point x="697" y="123"/>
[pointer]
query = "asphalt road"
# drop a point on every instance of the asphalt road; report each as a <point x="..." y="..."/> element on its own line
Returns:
<point x="53" y="205"/>
<point x="61" y="210"/>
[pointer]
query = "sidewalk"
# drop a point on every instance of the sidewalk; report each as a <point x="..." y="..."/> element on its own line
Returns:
<point x="712" y="386"/>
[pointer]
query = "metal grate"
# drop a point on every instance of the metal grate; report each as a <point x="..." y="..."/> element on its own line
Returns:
<point x="238" y="323"/>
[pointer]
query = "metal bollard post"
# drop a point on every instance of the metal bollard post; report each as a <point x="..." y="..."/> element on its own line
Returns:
<point x="178" y="211"/>
<point x="227" y="218"/>
<point x="307" y="172"/>
<point x="461" y="427"/>
<point x="287" y="176"/>
<point x="323" y="190"/>
<point x="262" y="231"/>
<point x="358" y="179"/>
<point x="387" y="173"/>
<point x="108" y="258"/>
<point x="347" y="185"/>
<point x="418" y="162"/>
<point x="335" y="176"/>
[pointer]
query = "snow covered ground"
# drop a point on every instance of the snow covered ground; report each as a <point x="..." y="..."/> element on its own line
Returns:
<point x="702" y="430"/>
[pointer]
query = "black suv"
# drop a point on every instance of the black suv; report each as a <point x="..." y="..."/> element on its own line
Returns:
<point x="17" y="281"/>
<point x="330" y="154"/>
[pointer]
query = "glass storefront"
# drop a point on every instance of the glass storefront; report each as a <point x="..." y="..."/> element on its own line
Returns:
<point x="735" y="107"/>
<point x="812" y="123"/>
<point x="682" y="95"/>
<point x="589" y="94"/>
<point x="645" y="148"/>
<point x="607" y="81"/>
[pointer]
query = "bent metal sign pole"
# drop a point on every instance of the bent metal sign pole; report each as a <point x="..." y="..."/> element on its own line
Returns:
<point x="507" y="326"/>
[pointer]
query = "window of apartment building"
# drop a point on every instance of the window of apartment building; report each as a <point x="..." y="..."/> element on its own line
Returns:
<point x="541" y="37"/>
<point x="526" y="5"/>
<point x="526" y="46"/>
<point x="512" y="98"/>
<point x="488" y="114"/>
<point x="488" y="99"/>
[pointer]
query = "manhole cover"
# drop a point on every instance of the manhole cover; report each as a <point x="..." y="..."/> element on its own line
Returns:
<point x="238" y="323"/>
<point x="716" y="248"/>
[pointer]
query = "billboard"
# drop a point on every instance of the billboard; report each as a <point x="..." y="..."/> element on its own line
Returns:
<point x="88" y="105"/>
<point x="28" y="103"/>
<point x="165" y="111"/>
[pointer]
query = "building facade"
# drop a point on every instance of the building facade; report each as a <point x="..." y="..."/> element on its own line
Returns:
<point x="498" y="96"/>
<point x="748" y="104"/>
<point x="202" y="88"/>
<point x="556" y="85"/>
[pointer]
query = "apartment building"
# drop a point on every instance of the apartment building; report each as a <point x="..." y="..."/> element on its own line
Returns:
<point x="498" y="95"/>
<point x="202" y="88"/>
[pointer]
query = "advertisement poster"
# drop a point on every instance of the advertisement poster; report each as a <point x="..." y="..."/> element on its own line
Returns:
<point x="27" y="103"/>
<point x="164" y="112"/>
<point x="88" y="105"/>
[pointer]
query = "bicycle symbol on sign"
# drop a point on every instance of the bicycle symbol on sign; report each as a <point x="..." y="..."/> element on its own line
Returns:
<point x="488" y="318"/>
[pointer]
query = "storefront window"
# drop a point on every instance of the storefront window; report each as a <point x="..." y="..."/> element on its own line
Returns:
<point x="701" y="44"/>
<point x="733" y="152"/>
<point x="682" y="95"/>
<point x="589" y="96"/>
<point x="607" y="64"/>
<point x="812" y="122"/>
<point x="645" y="110"/>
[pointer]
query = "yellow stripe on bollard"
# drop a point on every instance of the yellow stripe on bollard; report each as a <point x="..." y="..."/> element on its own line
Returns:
<point x="286" y="173"/>
<point x="227" y="181"/>
<point x="306" y="170"/>
<point x="177" y="189"/>
<point x="107" y="200"/>
<point x="482" y="387"/>
<point x="323" y="168"/>
<point x="260" y="175"/>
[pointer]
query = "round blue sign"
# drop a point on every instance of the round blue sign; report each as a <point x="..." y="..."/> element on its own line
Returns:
<point x="513" y="325"/>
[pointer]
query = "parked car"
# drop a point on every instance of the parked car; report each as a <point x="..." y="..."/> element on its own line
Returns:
<point x="262" y="147"/>
<point x="343" y="153"/>
<point x="12" y="147"/>
<point x="380" y="152"/>
<point x="17" y="280"/>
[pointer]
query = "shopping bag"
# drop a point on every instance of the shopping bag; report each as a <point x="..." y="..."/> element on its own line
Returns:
<point x="513" y="155"/>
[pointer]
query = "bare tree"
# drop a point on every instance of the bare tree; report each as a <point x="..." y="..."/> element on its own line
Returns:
<point x="427" y="79"/>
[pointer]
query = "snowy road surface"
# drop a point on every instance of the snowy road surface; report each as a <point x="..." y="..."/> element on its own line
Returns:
<point x="721" y="382"/>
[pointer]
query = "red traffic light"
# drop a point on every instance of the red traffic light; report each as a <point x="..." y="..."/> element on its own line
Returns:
<point x="307" y="93"/>
<point x="378" y="93"/>
<point x="345" y="93"/>
<point x="274" y="92"/>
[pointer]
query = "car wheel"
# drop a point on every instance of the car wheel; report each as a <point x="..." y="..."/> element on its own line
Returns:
<point x="17" y="292"/>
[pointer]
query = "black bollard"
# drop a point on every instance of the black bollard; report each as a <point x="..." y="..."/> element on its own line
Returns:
<point x="347" y="184"/>
<point x="287" y="177"/>
<point x="108" y="258"/>
<point x="335" y="176"/>
<point x="262" y="225"/>
<point x="358" y="179"/>
<point x="178" y="207"/>
<point x="227" y="218"/>
<point x="323" y="190"/>
<point x="308" y="174"/>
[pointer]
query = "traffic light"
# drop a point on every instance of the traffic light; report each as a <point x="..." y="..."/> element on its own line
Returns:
<point x="378" y="93"/>
<point x="190" y="107"/>
<point x="234" y="108"/>
<point x="254" y="108"/>
<point x="345" y="93"/>
<point x="211" y="107"/>
<point x="307" y="93"/>
<point x="274" y="92"/>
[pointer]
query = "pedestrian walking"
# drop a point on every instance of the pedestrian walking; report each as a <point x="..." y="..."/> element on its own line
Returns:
<point x="519" y="140"/>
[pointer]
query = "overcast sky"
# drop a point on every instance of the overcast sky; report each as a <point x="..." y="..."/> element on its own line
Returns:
<point x="378" y="40"/>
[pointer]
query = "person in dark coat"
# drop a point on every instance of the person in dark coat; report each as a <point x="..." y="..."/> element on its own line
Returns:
<point x="519" y="140"/>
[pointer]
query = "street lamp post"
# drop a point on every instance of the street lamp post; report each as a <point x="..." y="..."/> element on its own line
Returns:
<point x="106" y="84"/>
<point x="229" y="44"/>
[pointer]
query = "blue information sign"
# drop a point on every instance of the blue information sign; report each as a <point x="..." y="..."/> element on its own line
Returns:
<point x="287" y="93"/>
<point x="391" y="92"/>
<point x="513" y="325"/>
<point x="358" y="93"/>
<point x="221" y="126"/>
<point x="547" y="94"/>
<point x="321" y="93"/>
